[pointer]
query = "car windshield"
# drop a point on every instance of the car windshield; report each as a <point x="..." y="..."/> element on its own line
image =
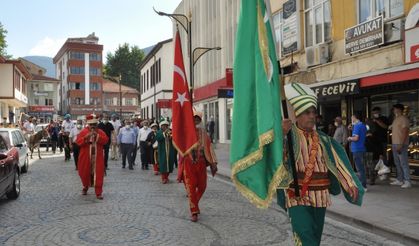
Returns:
<point x="5" y="135"/>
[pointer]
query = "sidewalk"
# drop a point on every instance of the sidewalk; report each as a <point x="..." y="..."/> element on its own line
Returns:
<point x="387" y="210"/>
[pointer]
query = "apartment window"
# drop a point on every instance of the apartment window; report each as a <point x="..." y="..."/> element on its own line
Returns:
<point x="94" y="100"/>
<point x="77" y="70"/>
<point x="94" y="71"/>
<point x="76" y="55"/>
<point x="78" y="101"/>
<point x="152" y="110"/>
<point x="36" y="101"/>
<point x="95" y="87"/>
<point x="317" y="21"/>
<point x="159" y="71"/>
<point x="108" y="101"/>
<point x="277" y="21"/>
<point x="94" y="57"/>
<point x="369" y="9"/>
<point x="147" y="80"/>
<point x="48" y="102"/>
<point x="128" y="102"/>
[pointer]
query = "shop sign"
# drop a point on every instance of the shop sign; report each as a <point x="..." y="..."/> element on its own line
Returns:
<point x="41" y="108"/>
<point x="37" y="93"/>
<point x="364" y="36"/>
<point x="225" y="93"/>
<point x="290" y="27"/>
<point x="164" y="103"/>
<point x="338" y="89"/>
<point x="411" y="45"/>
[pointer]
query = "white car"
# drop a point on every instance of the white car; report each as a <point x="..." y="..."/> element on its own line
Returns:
<point x="15" y="138"/>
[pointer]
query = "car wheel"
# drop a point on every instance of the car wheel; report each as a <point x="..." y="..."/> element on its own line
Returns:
<point x="15" y="191"/>
<point x="25" y="165"/>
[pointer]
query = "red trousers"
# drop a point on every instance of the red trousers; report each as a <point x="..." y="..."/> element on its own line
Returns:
<point x="195" y="178"/>
<point x="156" y="168"/>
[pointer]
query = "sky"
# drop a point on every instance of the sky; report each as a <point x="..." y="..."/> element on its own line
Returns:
<point x="40" y="27"/>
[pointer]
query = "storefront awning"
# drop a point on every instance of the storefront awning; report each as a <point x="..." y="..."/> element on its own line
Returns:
<point x="387" y="78"/>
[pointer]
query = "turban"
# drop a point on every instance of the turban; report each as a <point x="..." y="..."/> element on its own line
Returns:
<point x="301" y="97"/>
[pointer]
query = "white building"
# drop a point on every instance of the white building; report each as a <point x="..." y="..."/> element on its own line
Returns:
<point x="156" y="81"/>
<point x="214" y="24"/>
<point x="13" y="99"/>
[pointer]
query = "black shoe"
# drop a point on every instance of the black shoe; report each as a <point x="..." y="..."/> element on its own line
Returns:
<point x="123" y="166"/>
<point x="131" y="168"/>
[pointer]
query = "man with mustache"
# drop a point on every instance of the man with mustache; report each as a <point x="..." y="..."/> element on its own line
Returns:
<point x="322" y="167"/>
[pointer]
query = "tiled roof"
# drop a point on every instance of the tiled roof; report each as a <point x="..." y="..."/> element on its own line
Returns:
<point x="110" y="86"/>
<point x="43" y="78"/>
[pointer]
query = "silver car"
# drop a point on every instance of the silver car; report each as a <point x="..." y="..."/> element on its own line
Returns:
<point x="15" y="138"/>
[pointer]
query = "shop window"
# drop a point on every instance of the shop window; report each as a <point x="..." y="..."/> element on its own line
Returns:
<point x="369" y="9"/>
<point x="277" y="22"/>
<point x="317" y="22"/>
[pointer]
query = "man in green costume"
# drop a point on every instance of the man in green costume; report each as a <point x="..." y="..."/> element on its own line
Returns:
<point x="166" y="152"/>
<point x="322" y="167"/>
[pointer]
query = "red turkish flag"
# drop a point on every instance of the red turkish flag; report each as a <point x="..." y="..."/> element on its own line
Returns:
<point x="183" y="125"/>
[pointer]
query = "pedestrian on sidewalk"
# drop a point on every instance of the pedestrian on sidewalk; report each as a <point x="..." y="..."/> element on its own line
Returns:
<point x="166" y="152"/>
<point x="400" y="142"/>
<point x="153" y="146"/>
<point x="322" y="168"/>
<point x="195" y="167"/>
<point x="358" y="149"/>
<point x="135" y="125"/>
<point x="126" y="141"/>
<point x="91" y="164"/>
<point x="73" y="145"/>
<point x="53" y="131"/>
<point x="114" y="145"/>
<point x="341" y="132"/>
<point x="107" y="127"/>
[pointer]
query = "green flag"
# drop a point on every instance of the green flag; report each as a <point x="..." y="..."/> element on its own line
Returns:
<point x="257" y="141"/>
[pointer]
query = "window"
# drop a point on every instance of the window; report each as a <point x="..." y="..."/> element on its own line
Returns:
<point x="94" y="71"/>
<point x="94" y="101"/>
<point x="78" y="101"/>
<point x="48" y="102"/>
<point x="369" y="9"/>
<point x="77" y="70"/>
<point x="95" y="87"/>
<point x="108" y="101"/>
<point x="94" y="57"/>
<point x="76" y="55"/>
<point x="277" y="22"/>
<point x="36" y="101"/>
<point x="128" y="101"/>
<point x="317" y="22"/>
<point x="3" y="145"/>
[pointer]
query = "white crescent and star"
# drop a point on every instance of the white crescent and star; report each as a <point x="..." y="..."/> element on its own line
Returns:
<point x="181" y="98"/>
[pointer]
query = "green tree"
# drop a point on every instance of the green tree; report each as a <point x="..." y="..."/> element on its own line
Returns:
<point x="125" y="62"/>
<point x="3" y="43"/>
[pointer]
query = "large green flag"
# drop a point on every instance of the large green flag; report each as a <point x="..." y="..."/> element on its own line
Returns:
<point x="257" y="141"/>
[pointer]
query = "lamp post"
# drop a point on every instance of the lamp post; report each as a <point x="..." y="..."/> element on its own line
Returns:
<point x="120" y="96"/>
<point x="186" y="24"/>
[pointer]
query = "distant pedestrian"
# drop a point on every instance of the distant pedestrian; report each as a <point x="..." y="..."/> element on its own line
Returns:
<point x="75" y="131"/>
<point x="358" y="149"/>
<point x="153" y="145"/>
<point x="211" y="128"/>
<point x="400" y="142"/>
<point x="166" y="152"/>
<point x="66" y="129"/>
<point x="91" y="164"/>
<point x="107" y="127"/>
<point x="126" y="141"/>
<point x="341" y="132"/>
<point x="53" y="131"/>
<point x="142" y="136"/>
<point x="114" y="145"/>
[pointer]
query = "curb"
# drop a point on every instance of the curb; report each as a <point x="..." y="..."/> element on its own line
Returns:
<point x="358" y="223"/>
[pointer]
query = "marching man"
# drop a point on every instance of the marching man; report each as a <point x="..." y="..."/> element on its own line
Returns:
<point x="91" y="158"/>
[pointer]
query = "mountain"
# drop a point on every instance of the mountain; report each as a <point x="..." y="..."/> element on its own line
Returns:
<point x="43" y="61"/>
<point x="147" y="50"/>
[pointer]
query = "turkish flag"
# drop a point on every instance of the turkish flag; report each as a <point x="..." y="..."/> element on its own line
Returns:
<point x="183" y="125"/>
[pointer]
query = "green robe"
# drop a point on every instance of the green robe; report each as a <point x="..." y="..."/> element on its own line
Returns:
<point x="166" y="153"/>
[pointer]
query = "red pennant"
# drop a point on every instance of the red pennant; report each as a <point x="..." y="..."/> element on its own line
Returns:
<point x="183" y="125"/>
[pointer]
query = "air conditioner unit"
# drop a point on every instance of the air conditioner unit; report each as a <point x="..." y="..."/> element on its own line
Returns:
<point x="316" y="55"/>
<point x="393" y="31"/>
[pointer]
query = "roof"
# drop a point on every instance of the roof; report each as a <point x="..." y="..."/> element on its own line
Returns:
<point x="156" y="48"/>
<point x="110" y="86"/>
<point x="19" y="65"/>
<point x="43" y="78"/>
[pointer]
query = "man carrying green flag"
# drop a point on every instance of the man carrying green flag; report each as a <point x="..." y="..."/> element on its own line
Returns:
<point x="260" y="164"/>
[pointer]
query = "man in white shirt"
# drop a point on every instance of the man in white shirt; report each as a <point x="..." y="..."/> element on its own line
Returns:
<point x="65" y="131"/>
<point x="141" y="141"/>
<point x="28" y="128"/>
<point x="72" y="139"/>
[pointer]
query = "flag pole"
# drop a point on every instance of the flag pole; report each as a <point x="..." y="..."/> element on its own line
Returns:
<point x="284" y="108"/>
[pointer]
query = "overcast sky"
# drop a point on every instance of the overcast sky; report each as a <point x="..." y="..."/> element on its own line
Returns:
<point x="41" y="27"/>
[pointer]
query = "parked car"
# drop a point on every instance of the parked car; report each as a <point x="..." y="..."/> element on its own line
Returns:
<point x="15" y="138"/>
<point x="9" y="170"/>
<point x="39" y="127"/>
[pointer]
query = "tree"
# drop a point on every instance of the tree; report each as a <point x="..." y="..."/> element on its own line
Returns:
<point x="3" y="43"/>
<point x="125" y="62"/>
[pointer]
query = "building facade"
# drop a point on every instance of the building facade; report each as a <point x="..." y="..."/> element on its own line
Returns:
<point x="356" y="55"/>
<point x="214" y="24"/>
<point x="42" y="93"/>
<point x="79" y="70"/>
<point x="13" y="93"/>
<point x="156" y="81"/>
<point x="119" y="100"/>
